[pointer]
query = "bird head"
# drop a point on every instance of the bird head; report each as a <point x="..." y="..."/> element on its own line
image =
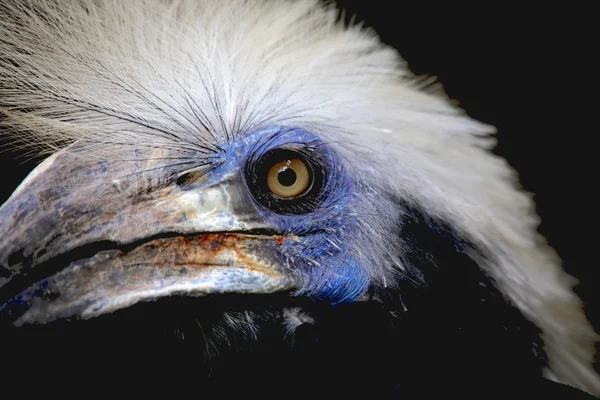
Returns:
<point x="246" y="147"/>
<point x="272" y="210"/>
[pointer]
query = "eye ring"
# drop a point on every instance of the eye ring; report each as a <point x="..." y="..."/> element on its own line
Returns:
<point x="287" y="181"/>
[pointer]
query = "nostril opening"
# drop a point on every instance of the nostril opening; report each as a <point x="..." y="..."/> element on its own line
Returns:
<point x="183" y="180"/>
<point x="191" y="177"/>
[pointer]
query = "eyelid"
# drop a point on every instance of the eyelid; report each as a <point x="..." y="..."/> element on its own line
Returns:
<point x="299" y="197"/>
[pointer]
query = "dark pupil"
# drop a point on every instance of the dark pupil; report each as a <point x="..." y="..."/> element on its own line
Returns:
<point x="287" y="177"/>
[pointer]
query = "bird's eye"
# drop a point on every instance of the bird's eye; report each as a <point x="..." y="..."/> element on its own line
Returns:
<point x="286" y="181"/>
<point x="288" y="178"/>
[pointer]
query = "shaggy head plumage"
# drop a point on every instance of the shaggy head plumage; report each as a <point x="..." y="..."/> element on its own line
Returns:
<point x="149" y="101"/>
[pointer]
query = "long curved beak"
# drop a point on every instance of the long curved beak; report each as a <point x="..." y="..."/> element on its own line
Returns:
<point x="85" y="240"/>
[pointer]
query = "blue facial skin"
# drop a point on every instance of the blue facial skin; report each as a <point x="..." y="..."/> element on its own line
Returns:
<point x="323" y="254"/>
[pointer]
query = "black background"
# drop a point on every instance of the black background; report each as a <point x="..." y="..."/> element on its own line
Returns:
<point x="526" y="70"/>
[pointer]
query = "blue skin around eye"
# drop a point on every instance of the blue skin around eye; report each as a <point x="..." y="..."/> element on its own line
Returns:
<point x="323" y="252"/>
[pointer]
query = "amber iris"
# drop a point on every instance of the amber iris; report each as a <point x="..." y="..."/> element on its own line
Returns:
<point x="288" y="178"/>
